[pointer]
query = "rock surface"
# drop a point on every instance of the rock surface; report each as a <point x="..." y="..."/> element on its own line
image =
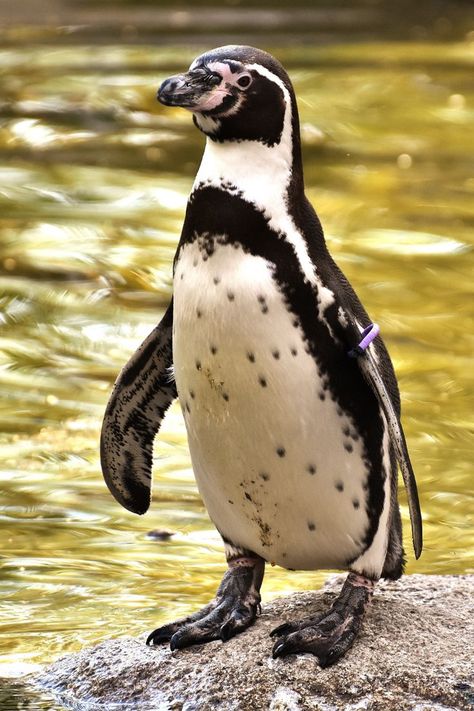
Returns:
<point x="415" y="651"/>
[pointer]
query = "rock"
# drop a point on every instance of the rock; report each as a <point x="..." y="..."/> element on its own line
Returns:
<point x="415" y="652"/>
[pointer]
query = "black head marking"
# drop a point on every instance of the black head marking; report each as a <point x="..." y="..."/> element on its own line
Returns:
<point x="236" y="93"/>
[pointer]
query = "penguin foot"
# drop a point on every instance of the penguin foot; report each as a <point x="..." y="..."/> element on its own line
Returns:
<point x="233" y="609"/>
<point x="329" y="635"/>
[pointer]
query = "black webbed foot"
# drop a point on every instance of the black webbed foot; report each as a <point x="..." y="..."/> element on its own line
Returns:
<point x="329" y="635"/>
<point x="233" y="609"/>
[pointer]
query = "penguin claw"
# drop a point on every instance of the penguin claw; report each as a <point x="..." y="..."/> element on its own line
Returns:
<point x="278" y="649"/>
<point x="331" y="635"/>
<point x="225" y="621"/>
<point x="161" y="635"/>
<point x="288" y="627"/>
<point x="327" y="648"/>
<point x="226" y="631"/>
<point x="232" y="611"/>
<point x="285" y="628"/>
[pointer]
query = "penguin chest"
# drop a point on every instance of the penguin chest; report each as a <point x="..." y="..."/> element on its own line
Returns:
<point x="280" y="467"/>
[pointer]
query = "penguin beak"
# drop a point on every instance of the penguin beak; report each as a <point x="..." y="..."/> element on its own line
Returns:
<point x="177" y="91"/>
<point x="189" y="91"/>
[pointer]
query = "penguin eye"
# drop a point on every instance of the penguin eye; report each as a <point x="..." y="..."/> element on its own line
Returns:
<point x="212" y="79"/>
<point x="244" y="81"/>
<point x="203" y="75"/>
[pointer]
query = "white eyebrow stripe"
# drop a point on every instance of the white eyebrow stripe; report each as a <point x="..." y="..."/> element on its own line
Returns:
<point x="264" y="72"/>
<point x="223" y="69"/>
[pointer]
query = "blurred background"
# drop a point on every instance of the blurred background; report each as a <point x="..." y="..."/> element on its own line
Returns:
<point x="94" y="178"/>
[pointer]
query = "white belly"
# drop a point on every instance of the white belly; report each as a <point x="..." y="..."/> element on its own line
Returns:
<point x="279" y="469"/>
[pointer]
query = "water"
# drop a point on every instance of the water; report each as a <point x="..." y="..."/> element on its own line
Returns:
<point x="94" y="177"/>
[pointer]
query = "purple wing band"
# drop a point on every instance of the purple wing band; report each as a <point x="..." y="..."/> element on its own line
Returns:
<point x="368" y="335"/>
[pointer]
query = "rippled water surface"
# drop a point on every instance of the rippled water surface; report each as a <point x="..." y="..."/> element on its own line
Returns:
<point x="94" y="177"/>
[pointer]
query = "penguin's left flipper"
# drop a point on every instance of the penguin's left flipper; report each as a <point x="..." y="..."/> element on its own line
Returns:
<point x="142" y="393"/>
<point x="371" y="373"/>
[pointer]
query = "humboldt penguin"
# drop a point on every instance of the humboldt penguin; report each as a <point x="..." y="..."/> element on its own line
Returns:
<point x="288" y="394"/>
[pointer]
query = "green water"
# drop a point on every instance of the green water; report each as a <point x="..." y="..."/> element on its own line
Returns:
<point x="94" y="177"/>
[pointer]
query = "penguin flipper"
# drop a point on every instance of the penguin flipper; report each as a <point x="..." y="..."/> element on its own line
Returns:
<point x="372" y="375"/>
<point x="142" y="393"/>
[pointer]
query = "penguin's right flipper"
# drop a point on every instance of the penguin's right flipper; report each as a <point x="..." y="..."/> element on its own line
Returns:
<point x="142" y="393"/>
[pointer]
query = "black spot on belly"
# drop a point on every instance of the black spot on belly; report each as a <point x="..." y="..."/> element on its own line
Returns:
<point x="216" y="280"/>
<point x="294" y="352"/>
<point x="230" y="296"/>
<point x="281" y="452"/>
<point x="311" y="526"/>
<point x="198" y="313"/>
<point x="182" y="276"/>
<point x="339" y="486"/>
<point x="276" y="354"/>
<point x="251" y="357"/>
<point x="346" y="431"/>
<point x="262" y="381"/>
<point x="322" y="396"/>
<point x="264" y="476"/>
<point x="192" y="394"/>
<point x="187" y="407"/>
<point x="311" y="469"/>
<point x="213" y="350"/>
<point x="248" y="497"/>
<point x="348" y="447"/>
<point x="198" y="365"/>
<point x="230" y="502"/>
<point x="295" y="323"/>
<point x="355" y="503"/>
<point x="263" y="304"/>
<point x="225" y="396"/>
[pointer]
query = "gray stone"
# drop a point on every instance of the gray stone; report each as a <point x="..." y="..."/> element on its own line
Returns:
<point x="415" y="652"/>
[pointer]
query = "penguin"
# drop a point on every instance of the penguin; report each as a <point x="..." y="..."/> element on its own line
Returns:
<point x="289" y="396"/>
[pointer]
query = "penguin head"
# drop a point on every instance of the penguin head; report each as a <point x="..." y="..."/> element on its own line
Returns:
<point x="236" y="93"/>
